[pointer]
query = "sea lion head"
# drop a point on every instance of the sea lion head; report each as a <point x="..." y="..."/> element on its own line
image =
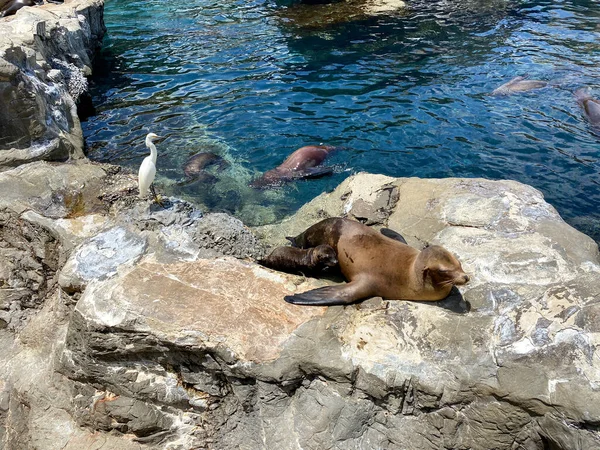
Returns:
<point x="323" y="257"/>
<point x="442" y="267"/>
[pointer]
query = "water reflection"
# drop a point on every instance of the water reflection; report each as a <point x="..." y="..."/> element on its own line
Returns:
<point x="406" y="92"/>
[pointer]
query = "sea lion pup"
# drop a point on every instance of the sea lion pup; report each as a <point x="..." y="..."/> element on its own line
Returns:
<point x="310" y="261"/>
<point x="590" y="105"/>
<point x="300" y="164"/>
<point x="376" y="265"/>
<point x="519" y="84"/>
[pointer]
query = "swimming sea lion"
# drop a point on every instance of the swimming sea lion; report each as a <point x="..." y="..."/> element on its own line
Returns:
<point x="196" y="164"/>
<point x="12" y="6"/>
<point x="376" y="265"/>
<point x="297" y="260"/>
<point x="300" y="164"/>
<point x="590" y="106"/>
<point x="519" y="84"/>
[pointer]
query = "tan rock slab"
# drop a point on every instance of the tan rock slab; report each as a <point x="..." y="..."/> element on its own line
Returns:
<point x="204" y="303"/>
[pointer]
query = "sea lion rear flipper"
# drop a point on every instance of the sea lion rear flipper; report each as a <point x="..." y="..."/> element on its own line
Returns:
<point x="343" y="294"/>
<point x="313" y="172"/>
<point x="393" y="235"/>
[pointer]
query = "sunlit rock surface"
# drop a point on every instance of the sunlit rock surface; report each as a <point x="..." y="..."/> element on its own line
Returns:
<point x="126" y="325"/>
<point x="45" y="55"/>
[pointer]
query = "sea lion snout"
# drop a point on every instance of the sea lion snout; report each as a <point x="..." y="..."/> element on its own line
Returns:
<point x="324" y="256"/>
<point x="461" y="280"/>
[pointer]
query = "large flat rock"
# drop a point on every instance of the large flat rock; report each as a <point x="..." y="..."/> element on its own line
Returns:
<point x="200" y="304"/>
<point x="210" y="345"/>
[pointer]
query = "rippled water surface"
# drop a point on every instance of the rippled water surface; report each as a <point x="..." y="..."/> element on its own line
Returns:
<point x="406" y="93"/>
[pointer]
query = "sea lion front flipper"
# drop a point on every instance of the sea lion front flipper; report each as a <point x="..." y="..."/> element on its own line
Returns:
<point x="343" y="294"/>
<point x="313" y="172"/>
<point x="393" y="235"/>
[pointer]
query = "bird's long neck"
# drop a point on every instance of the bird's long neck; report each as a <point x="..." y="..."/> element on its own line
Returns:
<point x="152" y="148"/>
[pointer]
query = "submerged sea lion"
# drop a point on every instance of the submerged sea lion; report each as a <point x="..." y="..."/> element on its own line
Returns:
<point x="376" y="265"/>
<point x="12" y="6"/>
<point x="310" y="261"/>
<point x="196" y="165"/>
<point x="590" y="105"/>
<point x="519" y="84"/>
<point x="300" y="164"/>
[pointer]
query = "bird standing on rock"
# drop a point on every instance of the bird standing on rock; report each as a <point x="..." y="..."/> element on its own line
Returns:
<point x="147" y="170"/>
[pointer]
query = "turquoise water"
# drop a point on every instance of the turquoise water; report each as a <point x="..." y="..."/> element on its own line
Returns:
<point x="406" y="93"/>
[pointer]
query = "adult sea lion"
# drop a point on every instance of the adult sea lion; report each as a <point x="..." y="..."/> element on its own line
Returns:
<point x="310" y="261"/>
<point x="519" y="84"/>
<point x="12" y="6"/>
<point x="377" y="265"/>
<point x="300" y="164"/>
<point x="590" y="105"/>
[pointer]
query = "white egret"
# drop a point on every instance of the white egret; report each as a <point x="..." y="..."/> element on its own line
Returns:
<point x="148" y="168"/>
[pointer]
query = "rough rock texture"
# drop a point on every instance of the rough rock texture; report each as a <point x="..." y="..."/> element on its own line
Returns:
<point x="45" y="54"/>
<point x="153" y="328"/>
<point x="62" y="227"/>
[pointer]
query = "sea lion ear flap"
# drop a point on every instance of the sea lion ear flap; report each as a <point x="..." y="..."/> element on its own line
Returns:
<point x="426" y="270"/>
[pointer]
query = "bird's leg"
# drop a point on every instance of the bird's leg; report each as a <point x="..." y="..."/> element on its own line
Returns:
<point x="156" y="197"/>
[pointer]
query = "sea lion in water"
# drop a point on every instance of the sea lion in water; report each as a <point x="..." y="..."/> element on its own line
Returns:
<point x="590" y="105"/>
<point x="519" y="84"/>
<point x="196" y="165"/>
<point x="300" y="164"/>
<point x="12" y="6"/>
<point x="310" y="261"/>
<point x="376" y="265"/>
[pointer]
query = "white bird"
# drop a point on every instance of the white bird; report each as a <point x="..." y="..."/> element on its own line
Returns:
<point x="147" y="170"/>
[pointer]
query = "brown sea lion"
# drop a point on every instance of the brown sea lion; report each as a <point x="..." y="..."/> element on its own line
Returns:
<point x="12" y="6"/>
<point x="590" y="105"/>
<point x="376" y="265"/>
<point x="300" y="164"/>
<point x="310" y="261"/>
<point x="519" y="84"/>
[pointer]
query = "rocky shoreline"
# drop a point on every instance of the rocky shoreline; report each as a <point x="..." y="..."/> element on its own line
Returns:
<point x="125" y="325"/>
<point x="45" y="55"/>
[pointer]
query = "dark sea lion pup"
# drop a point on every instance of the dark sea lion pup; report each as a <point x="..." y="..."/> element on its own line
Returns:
<point x="300" y="164"/>
<point x="310" y="261"/>
<point x="195" y="168"/>
<point x="377" y="265"/>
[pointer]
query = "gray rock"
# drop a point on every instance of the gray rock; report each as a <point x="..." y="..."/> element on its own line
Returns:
<point x="176" y="342"/>
<point x="222" y="234"/>
<point x="387" y="374"/>
<point x="39" y="116"/>
<point x="100" y="258"/>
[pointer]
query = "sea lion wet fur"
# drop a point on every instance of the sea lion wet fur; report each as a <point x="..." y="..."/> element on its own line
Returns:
<point x="301" y="164"/>
<point x="519" y="84"/>
<point x="590" y="106"/>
